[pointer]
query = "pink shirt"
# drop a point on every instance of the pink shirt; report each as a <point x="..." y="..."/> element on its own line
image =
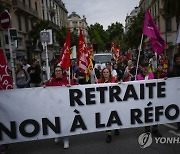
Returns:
<point x="150" y="76"/>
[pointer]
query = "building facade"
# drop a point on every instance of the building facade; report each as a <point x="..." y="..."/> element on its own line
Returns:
<point x="75" y="23"/>
<point x="128" y="20"/>
<point x="166" y="24"/>
<point x="24" y="15"/>
<point x="54" y="11"/>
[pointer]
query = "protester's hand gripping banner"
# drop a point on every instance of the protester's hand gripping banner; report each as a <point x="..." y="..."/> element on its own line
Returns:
<point x="41" y="113"/>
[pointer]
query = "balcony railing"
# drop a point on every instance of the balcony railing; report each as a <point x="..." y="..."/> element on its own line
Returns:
<point x="20" y="5"/>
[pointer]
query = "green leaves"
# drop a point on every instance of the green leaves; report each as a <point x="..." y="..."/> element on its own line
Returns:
<point x="98" y="36"/>
<point x="133" y="36"/>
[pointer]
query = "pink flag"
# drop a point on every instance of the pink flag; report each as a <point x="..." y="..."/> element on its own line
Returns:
<point x="151" y="30"/>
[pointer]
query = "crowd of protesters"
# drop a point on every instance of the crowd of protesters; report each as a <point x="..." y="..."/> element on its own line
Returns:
<point x="122" y="70"/>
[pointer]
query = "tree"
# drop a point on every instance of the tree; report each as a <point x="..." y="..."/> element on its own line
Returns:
<point x="61" y="36"/>
<point x="115" y="32"/>
<point x="133" y="36"/>
<point x="98" y="36"/>
<point x="34" y="34"/>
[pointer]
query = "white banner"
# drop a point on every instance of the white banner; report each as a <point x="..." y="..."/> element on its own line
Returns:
<point x="41" y="113"/>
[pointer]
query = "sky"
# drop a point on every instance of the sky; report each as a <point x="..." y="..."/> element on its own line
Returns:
<point x="103" y="12"/>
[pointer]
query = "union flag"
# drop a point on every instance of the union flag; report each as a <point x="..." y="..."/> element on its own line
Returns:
<point x="83" y="56"/>
<point x="64" y="58"/>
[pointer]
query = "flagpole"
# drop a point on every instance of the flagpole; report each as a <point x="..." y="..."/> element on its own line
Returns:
<point x="12" y="61"/>
<point x="139" y="54"/>
<point x="69" y="78"/>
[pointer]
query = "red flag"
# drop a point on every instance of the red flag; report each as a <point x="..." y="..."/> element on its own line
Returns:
<point x="118" y="53"/>
<point x="91" y="51"/>
<point x="5" y="78"/>
<point x="112" y="46"/>
<point x="64" y="58"/>
<point x="83" y="55"/>
<point x="151" y="30"/>
<point x="113" y="50"/>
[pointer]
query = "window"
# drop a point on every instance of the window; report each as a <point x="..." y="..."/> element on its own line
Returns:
<point x="75" y="23"/>
<point x="20" y="41"/>
<point x="50" y="3"/>
<point x="168" y="24"/>
<point x="36" y="6"/>
<point x="43" y="14"/>
<point x="48" y="16"/>
<point x="29" y="3"/>
<point x="19" y="22"/>
<point x="26" y="24"/>
<point x="6" y="40"/>
<point x="31" y="24"/>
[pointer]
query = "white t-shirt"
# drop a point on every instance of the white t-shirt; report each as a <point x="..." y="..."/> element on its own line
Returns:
<point x="146" y="77"/>
<point x="25" y="67"/>
<point x="114" y="73"/>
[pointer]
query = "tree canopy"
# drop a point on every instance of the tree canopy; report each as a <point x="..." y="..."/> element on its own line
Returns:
<point x="98" y="36"/>
<point x="133" y="36"/>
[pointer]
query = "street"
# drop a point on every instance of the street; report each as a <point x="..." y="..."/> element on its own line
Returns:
<point x="94" y="143"/>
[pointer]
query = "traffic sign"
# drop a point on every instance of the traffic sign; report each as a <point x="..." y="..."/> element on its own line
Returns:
<point x="44" y="36"/>
<point x="50" y="55"/>
<point x="5" y="20"/>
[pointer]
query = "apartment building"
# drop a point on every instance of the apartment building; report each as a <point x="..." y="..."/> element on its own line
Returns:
<point x="166" y="24"/>
<point x="128" y="20"/>
<point x="75" y="23"/>
<point x="24" y="15"/>
<point x="54" y="11"/>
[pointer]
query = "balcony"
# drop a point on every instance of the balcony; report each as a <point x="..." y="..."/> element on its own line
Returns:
<point x="21" y="7"/>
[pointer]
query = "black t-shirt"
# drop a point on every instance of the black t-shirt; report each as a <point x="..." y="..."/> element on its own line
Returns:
<point x="80" y="74"/>
<point x="175" y="72"/>
<point x="35" y="74"/>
